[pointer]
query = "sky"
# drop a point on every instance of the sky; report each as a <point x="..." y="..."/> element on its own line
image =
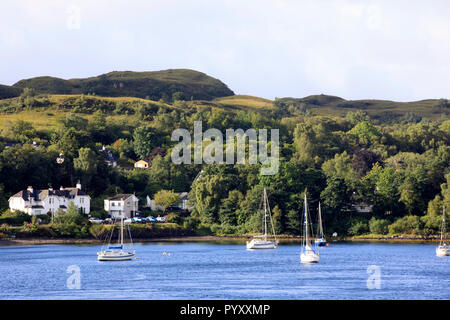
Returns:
<point x="393" y="50"/>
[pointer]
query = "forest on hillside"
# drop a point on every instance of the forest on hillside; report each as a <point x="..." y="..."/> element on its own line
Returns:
<point x="398" y="168"/>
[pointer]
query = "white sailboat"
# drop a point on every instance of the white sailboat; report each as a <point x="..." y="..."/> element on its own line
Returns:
<point x="443" y="250"/>
<point x="261" y="242"/>
<point x="308" y="254"/>
<point x="116" y="252"/>
<point x="320" y="239"/>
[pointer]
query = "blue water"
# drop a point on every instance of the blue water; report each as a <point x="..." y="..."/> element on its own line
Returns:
<point x="225" y="271"/>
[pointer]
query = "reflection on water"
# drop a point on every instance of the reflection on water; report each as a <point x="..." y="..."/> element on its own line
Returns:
<point x="226" y="270"/>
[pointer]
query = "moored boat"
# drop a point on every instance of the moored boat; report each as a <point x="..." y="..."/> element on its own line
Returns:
<point x="308" y="254"/>
<point x="443" y="250"/>
<point x="116" y="252"/>
<point x="261" y="241"/>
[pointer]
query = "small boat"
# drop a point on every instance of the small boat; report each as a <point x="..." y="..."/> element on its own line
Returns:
<point x="261" y="241"/>
<point x="320" y="239"/>
<point x="308" y="254"/>
<point x="116" y="252"/>
<point x="443" y="250"/>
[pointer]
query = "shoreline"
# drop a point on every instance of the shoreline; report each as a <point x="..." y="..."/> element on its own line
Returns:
<point x="37" y="241"/>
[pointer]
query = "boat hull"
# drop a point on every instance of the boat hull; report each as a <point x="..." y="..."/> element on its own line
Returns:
<point x="115" y="256"/>
<point x="320" y="243"/>
<point x="261" y="244"/>
<point x="442" y="251"/>
<point x="309" y="257"/>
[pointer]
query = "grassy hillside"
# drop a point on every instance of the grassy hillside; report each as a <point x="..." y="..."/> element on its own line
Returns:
<point x="153" y="85"/>
<point x="46" y="110"/>
<point x="380" y="110"/>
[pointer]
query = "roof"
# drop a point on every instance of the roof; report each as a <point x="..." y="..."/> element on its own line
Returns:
<point x="41" y="195"/>
<point x="109" y="155"/>
<point x="120" y="196"/>
<point x="140" y="161"/>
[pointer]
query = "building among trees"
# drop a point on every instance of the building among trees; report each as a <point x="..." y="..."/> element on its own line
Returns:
<point x="36" y="202"/>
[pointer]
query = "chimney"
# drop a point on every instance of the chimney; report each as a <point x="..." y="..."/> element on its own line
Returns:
<point x="61" y="188"/>
<point x="30" y="189"/>
<point x="78" y="185"/>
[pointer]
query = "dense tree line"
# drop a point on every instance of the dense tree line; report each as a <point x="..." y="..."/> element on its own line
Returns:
<point x="399" y="170"/>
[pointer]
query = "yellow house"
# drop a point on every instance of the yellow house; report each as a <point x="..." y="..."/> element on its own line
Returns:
<point x="141" y="164"/>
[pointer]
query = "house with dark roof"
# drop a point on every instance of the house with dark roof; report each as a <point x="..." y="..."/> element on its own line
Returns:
<point x="122" y="205"/>
<point x="110" y="158"/>
<point x="35" y="202"/>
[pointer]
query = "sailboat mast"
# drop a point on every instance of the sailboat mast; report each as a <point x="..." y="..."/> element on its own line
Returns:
<point x="320" y="223"/>
<point x="306" y="221"/>
<point x="443" y="226"/>
<point x="265" y="215"/>
<point x="121" y="229"/>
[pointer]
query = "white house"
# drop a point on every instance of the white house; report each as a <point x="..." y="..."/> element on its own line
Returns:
<point x="183" y="204"/>
<point x="35" y="202"/>
<point x="362" y="208"/>
<point x="122" y="205"/>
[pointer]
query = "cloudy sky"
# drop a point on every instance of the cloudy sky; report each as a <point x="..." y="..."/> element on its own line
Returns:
<point x="395" y="50"/>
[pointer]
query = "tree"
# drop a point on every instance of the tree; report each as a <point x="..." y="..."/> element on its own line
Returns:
<point x="378" y="226"/>
<point x="293" y="222"/>
<point x="166" y="198"/>
<point x="86" y="164"/>
<point x="142" y="141"/>
<point x="229" y="210"/>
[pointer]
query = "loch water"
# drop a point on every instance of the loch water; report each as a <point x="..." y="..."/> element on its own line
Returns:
<point x="226" y="270"/>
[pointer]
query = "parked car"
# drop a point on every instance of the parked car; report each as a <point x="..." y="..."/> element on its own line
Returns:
<point x="161" y="219"/>
<point x="95" y="220"/>
<point x="137" y="220"/>
<point x="150" y="219"/>
<point x="127" y="221"/>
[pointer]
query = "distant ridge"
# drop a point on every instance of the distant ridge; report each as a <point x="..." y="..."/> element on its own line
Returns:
<point x="9" y="91"/>
<point x="153" y="84"/>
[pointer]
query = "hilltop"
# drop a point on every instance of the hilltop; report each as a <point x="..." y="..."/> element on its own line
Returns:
<point x="154" y="85"/>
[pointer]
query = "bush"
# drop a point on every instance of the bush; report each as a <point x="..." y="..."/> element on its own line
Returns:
<point x="97" y="230"/>
<point x="174" y="218"/>
<point x="431" y="223"/>
<point x="358" y="228"/>
<point x="379" y="226"/>
<point x="407" y="224"/>
<point x="14" y="217"/>
<point x="45" y="218"/>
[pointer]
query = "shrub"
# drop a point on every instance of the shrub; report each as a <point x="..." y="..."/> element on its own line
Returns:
<point x="407" y="224"/>
<point x="14" y="217"/>
<point x="358" y="227"/>
<point x="378" y="226"/>
<point x="97" y="230"/>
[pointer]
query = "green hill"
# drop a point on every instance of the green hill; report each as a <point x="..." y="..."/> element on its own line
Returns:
<point x="381" y="110"/>
<point x="9" y="92"/>
<point x="153" y="85"/>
